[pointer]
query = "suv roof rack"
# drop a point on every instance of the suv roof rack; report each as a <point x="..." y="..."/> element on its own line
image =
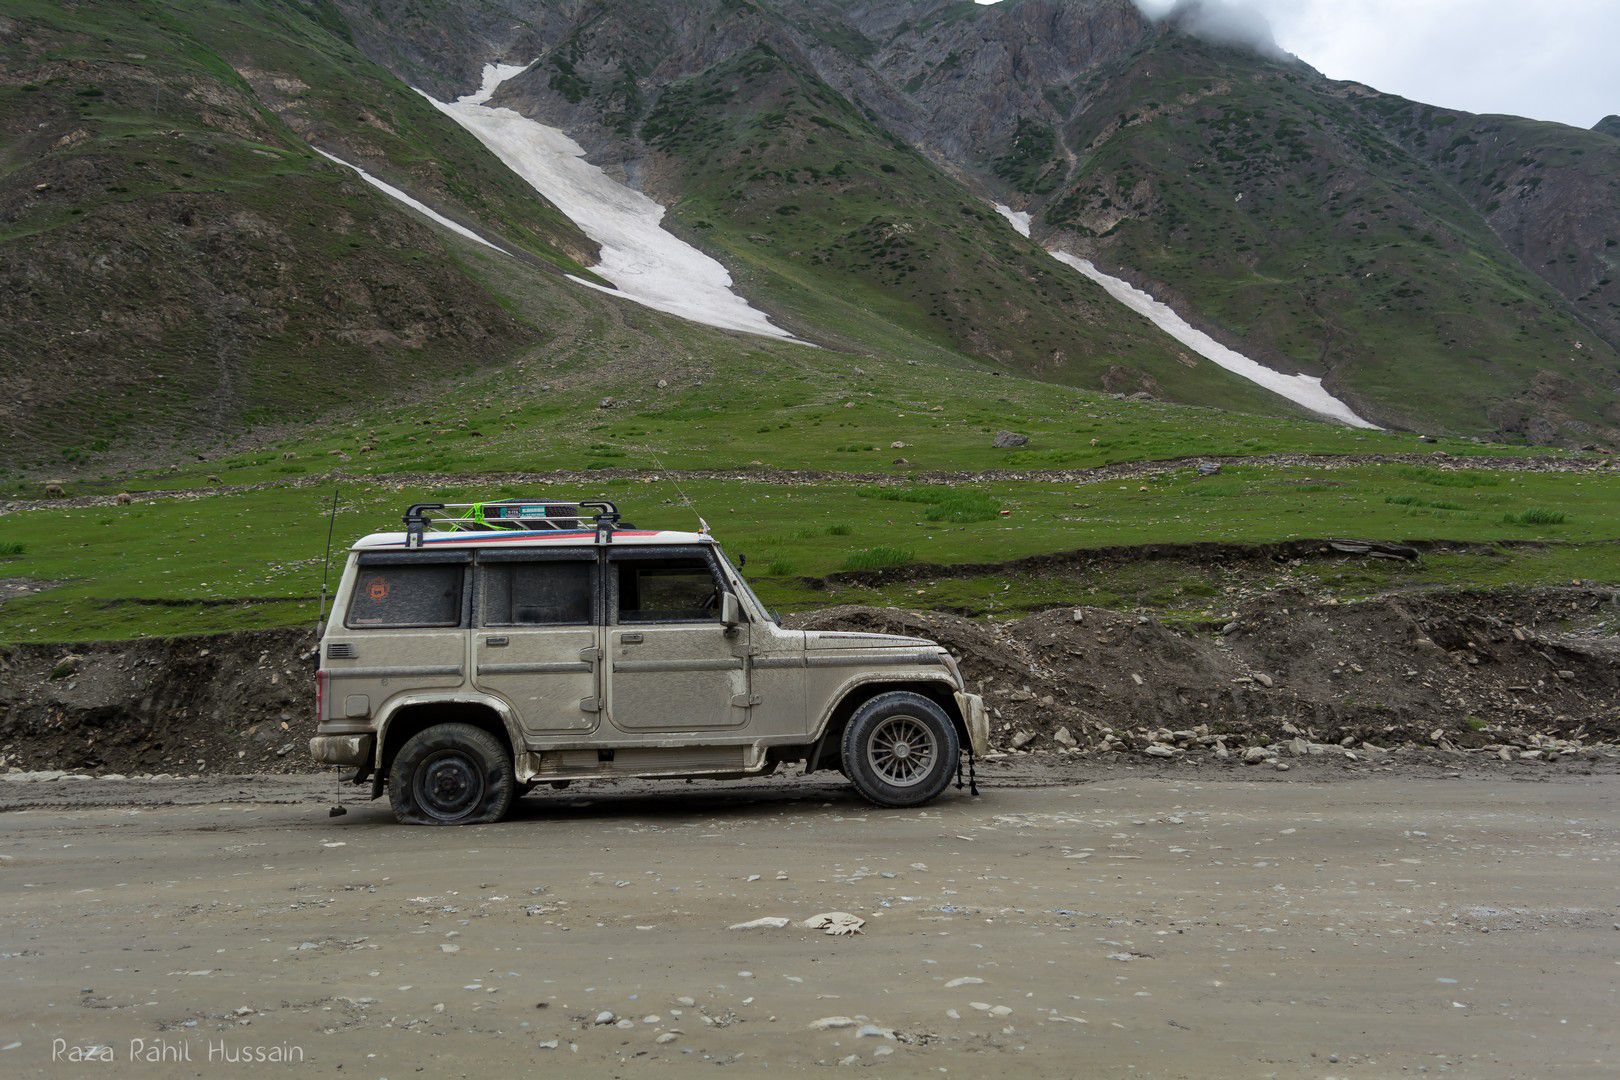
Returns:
<point x="511" y="515"/>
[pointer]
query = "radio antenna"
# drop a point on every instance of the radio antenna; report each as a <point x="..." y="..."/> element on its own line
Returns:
<point x="326" y="568"/>
<point x="703" y="526"/>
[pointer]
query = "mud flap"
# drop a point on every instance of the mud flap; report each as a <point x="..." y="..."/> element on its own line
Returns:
<point x="973" y="777"/>
<point x="812" y="760"/>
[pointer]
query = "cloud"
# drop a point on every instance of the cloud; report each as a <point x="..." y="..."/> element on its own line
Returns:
<point x="1553" y="59"/>
<point x="1222" y="22"/>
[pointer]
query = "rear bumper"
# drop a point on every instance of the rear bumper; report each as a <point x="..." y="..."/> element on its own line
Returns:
<point x="341" y="749"/>
<point x="977" y="721"/>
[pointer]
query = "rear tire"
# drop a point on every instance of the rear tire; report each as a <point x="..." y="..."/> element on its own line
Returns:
<point x="451" y="774"/>
<point x="899" y="749"/>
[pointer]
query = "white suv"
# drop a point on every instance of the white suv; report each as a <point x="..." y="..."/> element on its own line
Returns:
<point x="494" y="646"/>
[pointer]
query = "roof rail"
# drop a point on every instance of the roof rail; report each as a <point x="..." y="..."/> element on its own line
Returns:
<point x="511" y="515"/>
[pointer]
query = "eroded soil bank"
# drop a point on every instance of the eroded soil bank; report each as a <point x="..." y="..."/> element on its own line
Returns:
<point x="1498" y="672"/>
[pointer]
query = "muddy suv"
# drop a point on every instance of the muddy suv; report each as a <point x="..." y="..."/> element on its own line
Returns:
<point x="491" y="647"/>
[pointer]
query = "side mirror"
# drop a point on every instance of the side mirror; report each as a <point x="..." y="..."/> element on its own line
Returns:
<point x="730" y="609"/>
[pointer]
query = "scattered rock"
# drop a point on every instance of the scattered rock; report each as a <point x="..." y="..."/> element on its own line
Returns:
<point x="835" y="923"/>
<point x="1008" y="440"/>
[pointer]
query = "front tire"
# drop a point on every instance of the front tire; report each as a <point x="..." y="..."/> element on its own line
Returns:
<point x="899" y="749"/>
<point x="451" y="774"/>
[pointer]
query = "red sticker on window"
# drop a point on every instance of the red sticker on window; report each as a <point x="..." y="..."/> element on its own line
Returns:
<point x="377" y="589"/>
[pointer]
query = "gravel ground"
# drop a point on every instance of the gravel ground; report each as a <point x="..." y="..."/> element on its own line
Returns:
<point x="1119" y="918"/>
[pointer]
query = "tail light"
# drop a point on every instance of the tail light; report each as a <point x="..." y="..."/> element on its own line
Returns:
<point x="320" y="697"/>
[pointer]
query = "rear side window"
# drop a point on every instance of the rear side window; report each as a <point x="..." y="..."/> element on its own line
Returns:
<point x="667" y="590"/>
<point x="406" y="596"/>
<point x="553" y="593"/>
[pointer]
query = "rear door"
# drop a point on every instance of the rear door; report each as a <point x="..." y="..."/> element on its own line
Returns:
<point x="536" y="642"/>
<point x="673" y="666"/>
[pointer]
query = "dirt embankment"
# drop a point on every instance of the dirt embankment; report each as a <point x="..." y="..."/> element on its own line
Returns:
<point x="1478" y="668"/>
<point x="1460" y="669"/>
<point x="235" y="702"/>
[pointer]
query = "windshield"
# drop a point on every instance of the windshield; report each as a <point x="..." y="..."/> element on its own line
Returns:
<point x="743" y="587"/>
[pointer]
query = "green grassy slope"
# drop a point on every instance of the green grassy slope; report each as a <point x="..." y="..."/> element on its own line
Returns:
<point x="731" y="402"/>
<point x="176" y="261"/>
<point x="1263" y="200"/>
<point x="249" y="557"/>
<point x="837" y="221"/>
<point x="253" y="559"/>
<point x="1550" y="192"/>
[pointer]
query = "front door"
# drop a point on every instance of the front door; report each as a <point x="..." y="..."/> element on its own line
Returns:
<point x="673" y="665"/>
<point x="536" y="641"/>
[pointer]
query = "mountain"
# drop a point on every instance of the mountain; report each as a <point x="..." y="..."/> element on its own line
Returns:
<point x="1436" y="269"/>
<point x="183" y="261"/>
<point x="1609" y="125"/>
<point x="178" y="259"/>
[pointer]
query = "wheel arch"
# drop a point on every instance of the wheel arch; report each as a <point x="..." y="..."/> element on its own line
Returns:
<point x="823" y="752"/>
<point x="412" y="714"/>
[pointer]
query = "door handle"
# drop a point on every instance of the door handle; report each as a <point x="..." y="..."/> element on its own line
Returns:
<point x="631" y="639"/>
<point x="497" y="641"/>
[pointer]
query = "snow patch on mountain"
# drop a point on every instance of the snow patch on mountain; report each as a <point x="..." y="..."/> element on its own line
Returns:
<point x="426" y="211"/>
<point x="648" y="264"/>
<point x="1304" y="390"/>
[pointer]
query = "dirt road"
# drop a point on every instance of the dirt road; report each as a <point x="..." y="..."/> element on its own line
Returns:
<point x="1126" y="921"/>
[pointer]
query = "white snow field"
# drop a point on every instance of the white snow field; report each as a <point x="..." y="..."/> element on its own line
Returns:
<point x="426" y="211"/>
<point x="648" y="264"/>
<point x="1303" y="390"/>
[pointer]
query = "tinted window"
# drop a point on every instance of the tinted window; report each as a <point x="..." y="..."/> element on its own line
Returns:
<point x="402" y="596"/>
<point x="535" y="594"/>
<point x="667" y="590"/>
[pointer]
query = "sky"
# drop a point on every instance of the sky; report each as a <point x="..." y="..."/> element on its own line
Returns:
<point x="1547" y="59"/>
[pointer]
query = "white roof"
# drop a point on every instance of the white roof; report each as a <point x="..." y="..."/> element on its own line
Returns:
<point x="521" y="538"/>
